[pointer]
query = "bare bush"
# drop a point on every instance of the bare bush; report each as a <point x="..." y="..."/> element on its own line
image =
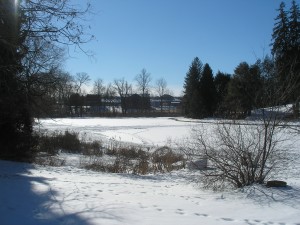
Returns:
<point x="142" y="167"/>
<point x="92" y="148"/>
<point x="129" y="153"/>
<point x="119" y="165"/>
<point x="137" y="161"/>
<point x="49" y="160"/>
<point x="52" y="143"/>
<point x="164" y="160"/>
<point x="239" y="154"/>
<point x="69" y="141"/>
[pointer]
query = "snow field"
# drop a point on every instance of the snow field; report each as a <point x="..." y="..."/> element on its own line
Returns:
<point x="32" y="194"/>
<point x="67" y="195"/>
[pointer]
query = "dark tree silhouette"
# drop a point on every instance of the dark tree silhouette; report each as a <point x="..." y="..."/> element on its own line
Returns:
<point x="31" y="40"/>
<point x="208" y="92"/>
<point x="192" y="97"/>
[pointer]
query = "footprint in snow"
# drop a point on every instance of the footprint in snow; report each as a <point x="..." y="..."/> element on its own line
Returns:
<point x="142" y="207"/>
<point x="253" y="222"/>
<point x="201" y="214"/>
<point x="227" y="219"/>
<point x="180" y="211"/>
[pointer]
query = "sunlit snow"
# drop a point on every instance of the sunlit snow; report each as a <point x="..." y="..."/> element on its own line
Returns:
<point x="32" y="194"/>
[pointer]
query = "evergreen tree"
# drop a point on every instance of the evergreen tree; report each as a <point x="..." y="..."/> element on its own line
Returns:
<point x="244" y="89"/>
<point x="192" y="98"/>
<point x="207" y="92"/>
<point x="221" y="82"/>
<point x="270" y="95"/>
<point x="280" y="34"/>
<point x="286" y="52"/>
<point x="294" y="26"/>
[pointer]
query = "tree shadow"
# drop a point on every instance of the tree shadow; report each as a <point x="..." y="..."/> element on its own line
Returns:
<point x="263" y="195"/>
<point x="22" y="203"/>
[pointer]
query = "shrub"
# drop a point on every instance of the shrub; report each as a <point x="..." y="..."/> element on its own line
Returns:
<point x="112" y="152"/>
<point x="93" y="148"/>
<point x="238" y="154"/>
<point x="131" y="153"/>
<point x="47" y="144"/>
<point x="120" y="165"/>
<point x="49" y="160"/>
<point x="164" y="159"/>
<point x="97" y="167"/>
<point x="67" y="141"/>
<point x="142" y="167"/>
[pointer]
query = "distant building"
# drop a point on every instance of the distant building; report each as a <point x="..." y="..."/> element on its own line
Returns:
<point x="135" y="103"/>
<point x="166" y="103"/>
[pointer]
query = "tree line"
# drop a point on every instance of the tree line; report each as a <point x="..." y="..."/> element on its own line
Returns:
<point x="67" y="95"/>
<point x="273" y="80"/>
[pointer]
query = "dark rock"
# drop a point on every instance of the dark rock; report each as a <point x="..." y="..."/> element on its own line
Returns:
<point x="276" y="183"/>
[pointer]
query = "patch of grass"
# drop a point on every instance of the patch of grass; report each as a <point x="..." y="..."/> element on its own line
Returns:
<point x="122" y="159"/>
<point x="67" y="141"/>
<point x="49" y="160"/>
<point x="94" y="148"/>
<point x="137" y="161"/>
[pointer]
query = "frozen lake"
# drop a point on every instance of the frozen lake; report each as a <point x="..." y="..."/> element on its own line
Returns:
<point x="147" y="131"/>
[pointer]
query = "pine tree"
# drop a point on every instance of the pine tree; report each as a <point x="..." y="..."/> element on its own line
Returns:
<point x="280" y="34"/>
<point x="244" y="89"/>
<point x="207" y="92"/>
<point x="294" y="25"/>
<point x="286" y="52"/>
<point x="192" y="98"/>
<point x="221" y="82"/>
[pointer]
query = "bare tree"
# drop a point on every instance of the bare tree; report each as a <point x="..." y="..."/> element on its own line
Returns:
<point x="45" y="40"/>
<point x="79" y="80"/>
<point x="143" y="82"/>
<point x="64" y="91"/>
<point x="123" y="88"/>
<point x="33" y="35"/>
<point x="109" y="97"/>
<point x="99" y="88"/>
<point x="143" y="85"/>
<point x="41" y="22"/>
<point x="161" y="90"/>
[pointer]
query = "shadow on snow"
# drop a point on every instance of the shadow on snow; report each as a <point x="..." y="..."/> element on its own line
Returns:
<point x="21" y="203"/>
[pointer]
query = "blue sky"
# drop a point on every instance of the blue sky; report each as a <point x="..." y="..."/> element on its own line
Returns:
<point x="164" y="36"/>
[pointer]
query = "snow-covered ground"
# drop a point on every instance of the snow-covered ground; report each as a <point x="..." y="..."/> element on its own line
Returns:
<point x="32" y="194"/>
<point x="146" y="131"/>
